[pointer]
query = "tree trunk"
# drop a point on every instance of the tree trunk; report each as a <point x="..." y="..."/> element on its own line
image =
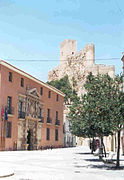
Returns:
<point x="101" y="148"/>
<point x="104" y="149"/>
<point x="118" y="151"/>
<point x="92" y="146"/>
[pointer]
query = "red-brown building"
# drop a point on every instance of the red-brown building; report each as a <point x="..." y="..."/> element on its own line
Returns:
<point x="34" y="111"/>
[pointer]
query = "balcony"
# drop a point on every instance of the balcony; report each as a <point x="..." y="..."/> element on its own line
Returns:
<point x="10" y="110"/>
<point x="21" y="115"/>
<point x="41" y="119"/>
<point x="49" y="120"/>
<point x="57" y="122"/>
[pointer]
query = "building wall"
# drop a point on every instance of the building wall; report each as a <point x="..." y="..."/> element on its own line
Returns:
<point x="69" y="140"/>
<point x="14" y="89"/>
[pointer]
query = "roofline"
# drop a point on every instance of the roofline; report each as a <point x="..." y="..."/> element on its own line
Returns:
<point x="30" y="77"/>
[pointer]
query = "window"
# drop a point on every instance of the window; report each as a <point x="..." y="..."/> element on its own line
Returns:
<point x="21" y="113"/>
<point x="40" y="115"/>
<point x="57" y="97"/>
<point x="22" y="82"/>
<point x="49" y="94"/>
<point x="48" y="134"/>
<point x="8" y="131"/>
<point x="20" y="106"/>
<point x="40" y="112"/>
<point x="10" y="77"/>
<point x="57" y="122"/>
<point x="56" y="134"/>
<point x="49" y="120"/>
<point x="56" y="115"/>
<point x="48" y="113"/>
<point x="9" y="105"/>
<point x="41" y="91"/>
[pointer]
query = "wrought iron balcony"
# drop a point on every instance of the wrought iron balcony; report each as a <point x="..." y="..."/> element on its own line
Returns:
<point x="49" y="120"/>
<point x="41" y="119"/>
<point x="10" y="110"/>
<point x="21" y="114"/>
<point x="57" y="122"/>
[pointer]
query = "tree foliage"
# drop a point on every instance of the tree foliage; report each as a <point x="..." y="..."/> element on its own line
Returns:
<point x="94" y="113"/>
<point x="64" y="85"/>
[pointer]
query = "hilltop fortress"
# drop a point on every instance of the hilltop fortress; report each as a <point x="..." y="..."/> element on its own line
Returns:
<point x="77" y="65"/>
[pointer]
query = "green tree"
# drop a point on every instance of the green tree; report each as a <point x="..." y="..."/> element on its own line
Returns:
<point x="117" y="107"/>
<point x="64" y="85"/>
<point x="100" y="111"/>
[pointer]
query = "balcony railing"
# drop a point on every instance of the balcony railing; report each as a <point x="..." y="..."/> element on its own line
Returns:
<point x="57" y="122"/>
<point x="10" y="110"/>
<point x="41" y="119"/>
<point x="49" y="120"/>
<point x="21" y="114"/>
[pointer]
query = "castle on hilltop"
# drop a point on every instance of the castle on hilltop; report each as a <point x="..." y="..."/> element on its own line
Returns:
<point x="77" y="65"/>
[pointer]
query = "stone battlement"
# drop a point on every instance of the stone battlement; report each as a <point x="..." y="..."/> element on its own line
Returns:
<point x="77" y="65"/>
<point x="68" y="50"/>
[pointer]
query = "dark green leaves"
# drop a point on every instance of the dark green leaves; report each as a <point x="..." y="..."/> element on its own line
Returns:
<point x="101" y="110"/>
<point x="64" y="85"/>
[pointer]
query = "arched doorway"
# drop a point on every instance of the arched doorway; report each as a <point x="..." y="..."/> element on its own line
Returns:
<point x="29" y="139"/>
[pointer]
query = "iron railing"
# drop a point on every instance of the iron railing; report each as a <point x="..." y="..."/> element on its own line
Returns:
<point x="57" y="122"/>
<point x="10" y="110"/>
<point x="41" y="119"/>
<point x="21" y="114"/>
<point x="49" y="120"/>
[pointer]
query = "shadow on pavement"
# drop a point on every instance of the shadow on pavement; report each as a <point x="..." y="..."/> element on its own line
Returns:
<point x="92" y="160"/>
<point x="103" y="166"/>
<point x="83" y="153"/>
<point x="98" y="160"/>
<point x="107" y="167"/>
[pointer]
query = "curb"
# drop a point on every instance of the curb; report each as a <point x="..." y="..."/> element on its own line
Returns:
<point x="4" y="176"/>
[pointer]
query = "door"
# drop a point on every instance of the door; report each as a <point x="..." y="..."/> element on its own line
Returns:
<point x="29" y="140"/>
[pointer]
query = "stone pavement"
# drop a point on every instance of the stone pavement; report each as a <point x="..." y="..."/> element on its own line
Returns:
<point x="58" y="164"/>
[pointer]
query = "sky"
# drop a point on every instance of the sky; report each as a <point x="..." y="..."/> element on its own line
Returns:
<point x="33" y="30"/>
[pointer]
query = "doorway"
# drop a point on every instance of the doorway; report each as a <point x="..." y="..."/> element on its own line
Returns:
<point x="29" y="140"/>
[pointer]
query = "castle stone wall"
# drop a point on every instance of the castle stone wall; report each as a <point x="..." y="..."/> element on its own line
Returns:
<point x="78" y="64"/>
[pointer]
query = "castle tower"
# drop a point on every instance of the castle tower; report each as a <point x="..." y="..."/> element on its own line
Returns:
<point x="67" y="47"/>
<point x="89" y="53"/>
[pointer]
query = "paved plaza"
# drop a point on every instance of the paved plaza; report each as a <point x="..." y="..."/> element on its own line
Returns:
<point x="57" y="164"/>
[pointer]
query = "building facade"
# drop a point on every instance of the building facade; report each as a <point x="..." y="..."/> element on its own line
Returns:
<point x="31" y="111"/>
<point x="69" y="140"/>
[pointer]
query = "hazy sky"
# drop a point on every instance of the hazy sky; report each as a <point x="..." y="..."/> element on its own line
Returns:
<point x="34" y="29"/>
